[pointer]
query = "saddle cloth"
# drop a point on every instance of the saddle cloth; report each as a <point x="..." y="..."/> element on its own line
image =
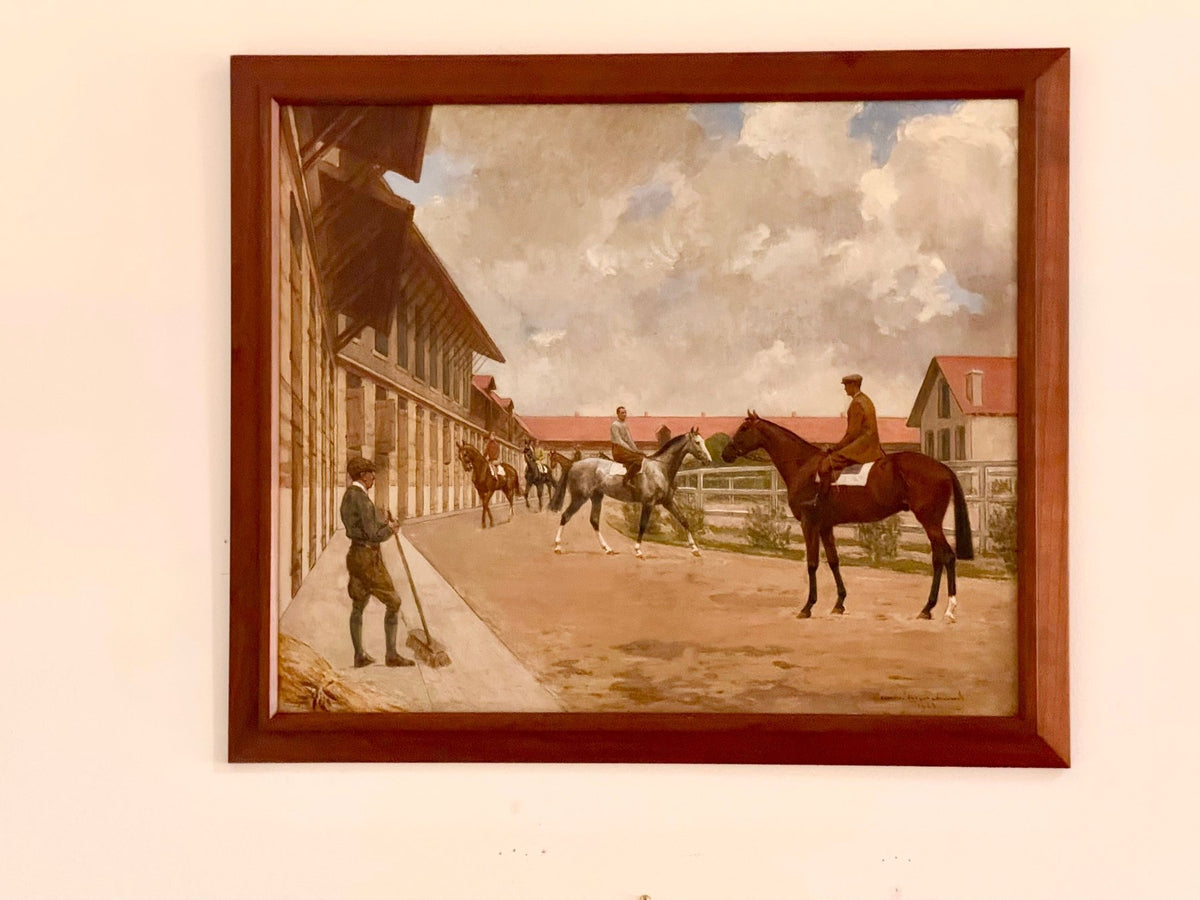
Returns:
<point x="611" y="467"/>
<point x="854" y="476"/>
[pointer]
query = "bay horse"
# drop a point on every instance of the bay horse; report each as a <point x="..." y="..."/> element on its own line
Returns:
<point x="536" y="478"/>
<point x="899" y="481"/>
<point x="594" y="479"/>
<point x="486" y="483"/>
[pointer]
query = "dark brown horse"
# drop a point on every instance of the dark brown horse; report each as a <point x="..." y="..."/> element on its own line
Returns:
<point x="486" y="483"/>
<point x="899" y="481"/>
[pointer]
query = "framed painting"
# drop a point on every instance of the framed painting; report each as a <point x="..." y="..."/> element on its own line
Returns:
<point x="650" y="408"/>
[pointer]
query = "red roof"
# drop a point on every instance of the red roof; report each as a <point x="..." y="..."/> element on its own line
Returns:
<point x="595" y="429"/>
<point x="998" y="394"/>
<point x="485" y="383"/>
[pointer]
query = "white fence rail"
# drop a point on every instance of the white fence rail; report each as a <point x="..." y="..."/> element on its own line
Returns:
<point x="989" y="488"/>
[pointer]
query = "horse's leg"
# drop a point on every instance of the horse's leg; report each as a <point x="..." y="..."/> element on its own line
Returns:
<point x="528" y="485"/>
<point x="951" y="601"/>
<point x="647" y="509"/>
<point x="831" y="557"/>
<point x="487" y="512"/>
<point x="674" y="510"/>
<point x="576" y="502"/>
<point x="812" y="556"/>
<point x="943" y="558"/>
<point x="597" y="500"/>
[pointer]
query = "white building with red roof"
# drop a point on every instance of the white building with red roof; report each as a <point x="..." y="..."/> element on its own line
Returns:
<point x="966" y="408"/>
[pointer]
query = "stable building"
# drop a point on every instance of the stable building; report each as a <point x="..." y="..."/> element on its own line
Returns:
<point x="966" y="413"/>
<point x="377" y="345"/>
<point x="966" y="408"/>
<point x="591" y="435"/>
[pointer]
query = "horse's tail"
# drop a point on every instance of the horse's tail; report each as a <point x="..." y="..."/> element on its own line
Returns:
<point x="964" y="548"/>
<point x="560" y="491"/>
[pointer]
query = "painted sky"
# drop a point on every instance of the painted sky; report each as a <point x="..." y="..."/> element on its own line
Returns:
<point x="708" y="258"/>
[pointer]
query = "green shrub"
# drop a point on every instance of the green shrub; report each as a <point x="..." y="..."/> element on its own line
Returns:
<point x="1002" y="534"/>
<point x="765" y="530"/>
<point x="880" y="540"/>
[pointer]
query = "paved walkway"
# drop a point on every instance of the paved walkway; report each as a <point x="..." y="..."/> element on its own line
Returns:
<point x="484" y="675"/>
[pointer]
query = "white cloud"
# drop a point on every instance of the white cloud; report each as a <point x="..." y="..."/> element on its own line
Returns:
<point x="617" y="255"/>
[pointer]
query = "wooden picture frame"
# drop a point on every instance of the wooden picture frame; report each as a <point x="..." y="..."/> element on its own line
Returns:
<point x="1037" y="736"/>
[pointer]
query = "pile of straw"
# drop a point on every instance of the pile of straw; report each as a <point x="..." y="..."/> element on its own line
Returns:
<point x="307" y="683"/>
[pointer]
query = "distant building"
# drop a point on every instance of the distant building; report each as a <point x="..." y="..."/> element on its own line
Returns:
<point x="590" y="434"/>
<point x="966" y="408"/>
<point x="966" y="411"/>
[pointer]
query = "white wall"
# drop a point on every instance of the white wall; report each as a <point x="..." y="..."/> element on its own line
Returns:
<point x="114" y="258"/>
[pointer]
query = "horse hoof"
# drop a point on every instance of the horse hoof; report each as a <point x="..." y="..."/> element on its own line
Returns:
<point x="924" y="614"/>
<point x="951" y="618"/>
<point x="838" y="611"/>
<point x="804" y="614"/>
<point x="610" y="552"/>
<point x="558" y="550"/>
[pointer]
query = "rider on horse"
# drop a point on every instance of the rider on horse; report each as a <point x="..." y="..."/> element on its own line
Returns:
<point x="624" y="450"/>
<point x="540" y="459"/>
<point x="860" y="443"/>
<point x="491" y="452"/>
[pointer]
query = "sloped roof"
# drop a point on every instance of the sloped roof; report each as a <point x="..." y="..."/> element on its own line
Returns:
<point x="999" y="393"/>
<point x="644" y="429"/>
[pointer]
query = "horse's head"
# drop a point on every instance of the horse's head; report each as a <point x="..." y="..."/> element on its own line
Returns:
<point x="464" y="457"/>
<point x="696" y="447"/>
<point x="746" y="439"/>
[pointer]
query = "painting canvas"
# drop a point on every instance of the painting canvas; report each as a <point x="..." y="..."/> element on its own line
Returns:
<point x="581" y="377"/>
<point x="662" y="408"/>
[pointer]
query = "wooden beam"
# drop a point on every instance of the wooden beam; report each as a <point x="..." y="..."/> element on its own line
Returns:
<point x="341" y="125"/>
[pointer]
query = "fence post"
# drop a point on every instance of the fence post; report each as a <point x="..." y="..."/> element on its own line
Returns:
<point x="700" y="489"/>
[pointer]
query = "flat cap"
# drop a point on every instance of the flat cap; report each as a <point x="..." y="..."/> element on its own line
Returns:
<point x="847" y="379"/>
<point x="358" y="466"/>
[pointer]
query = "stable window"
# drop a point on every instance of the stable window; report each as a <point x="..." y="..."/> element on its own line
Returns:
<point x="944" y="444"/>
<point x="943" y="400"/>
<point x="960" y="442"/>
<point x="382" y="342"/>
<point x="929" y="447"/>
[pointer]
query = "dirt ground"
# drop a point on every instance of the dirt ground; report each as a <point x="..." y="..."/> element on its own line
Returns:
<point x="719" y="634"/>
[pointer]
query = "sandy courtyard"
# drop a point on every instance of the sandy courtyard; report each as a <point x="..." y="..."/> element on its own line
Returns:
<point x="720" y="634"/>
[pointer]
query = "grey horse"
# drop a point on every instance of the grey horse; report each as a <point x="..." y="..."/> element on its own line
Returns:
<point x="595" y="479"/>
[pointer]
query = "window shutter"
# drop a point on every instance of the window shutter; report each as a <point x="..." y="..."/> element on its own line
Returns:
<point x="385" y="426"/>
<point x="354" y="418"/>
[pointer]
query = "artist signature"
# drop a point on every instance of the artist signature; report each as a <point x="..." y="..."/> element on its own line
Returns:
<point x="923" y="699"/>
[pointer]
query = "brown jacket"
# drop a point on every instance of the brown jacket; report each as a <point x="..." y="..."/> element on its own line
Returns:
<point x="861" y="443"/>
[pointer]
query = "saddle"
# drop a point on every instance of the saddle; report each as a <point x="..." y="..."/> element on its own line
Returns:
<point x="854" y="475"/>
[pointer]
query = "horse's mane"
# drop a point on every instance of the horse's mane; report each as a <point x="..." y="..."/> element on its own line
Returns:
<point x="790" y="435"/>
<point x="679" y="438"/>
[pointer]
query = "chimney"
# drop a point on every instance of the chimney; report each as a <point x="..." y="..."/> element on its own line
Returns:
<point x="794" y="414"/>
<point x="702" y="415"/>
<point x="645" y="414"/>
<point x="577" y="414"/>
<point x="975" y="387"/>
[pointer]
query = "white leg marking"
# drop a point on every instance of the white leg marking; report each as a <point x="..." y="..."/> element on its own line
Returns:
<point x="951" y="604"/>
<point x="692" y="544"/>
<point x="637" y="550"/>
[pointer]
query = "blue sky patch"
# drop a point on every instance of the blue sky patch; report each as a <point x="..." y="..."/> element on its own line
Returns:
<point x="959" y="295"/>
<point x="440" y="175"/>
<point x="880" y="122"/>
<point x="648" y="200"/>
<point x="719" y="120"/>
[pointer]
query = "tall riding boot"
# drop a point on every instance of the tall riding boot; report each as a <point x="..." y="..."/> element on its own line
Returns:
<point x="360" y="655"/>
<point x="391" y="622"/>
